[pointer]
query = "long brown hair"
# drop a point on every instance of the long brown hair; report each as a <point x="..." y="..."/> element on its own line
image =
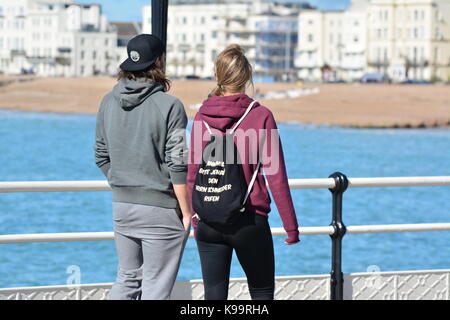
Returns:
<point x="232" y="70"/>
<point x="155" y="73"/>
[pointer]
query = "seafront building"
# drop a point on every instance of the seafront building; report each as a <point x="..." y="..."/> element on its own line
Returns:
<point x="332" y="44"/>
<point x="199" y="30"/>
<point x="403" y="39"/>
<point x="410" y="39"/>
<point x="55" y="38"/>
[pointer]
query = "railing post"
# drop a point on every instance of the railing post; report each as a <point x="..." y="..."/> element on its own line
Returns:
<point x="159" y="19"/>
<point x="337" y="277"/>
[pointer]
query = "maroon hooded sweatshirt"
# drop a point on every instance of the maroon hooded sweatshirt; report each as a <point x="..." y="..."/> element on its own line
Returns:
<point x="221" y="114"/>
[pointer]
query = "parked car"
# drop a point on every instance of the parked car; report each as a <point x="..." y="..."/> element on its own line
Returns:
<point x="416" y="82"/>
<point x="375" y="78"/>
<point x="192" y="77"/>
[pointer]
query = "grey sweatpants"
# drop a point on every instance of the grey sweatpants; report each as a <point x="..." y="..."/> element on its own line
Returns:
<point x="149" y="242"/>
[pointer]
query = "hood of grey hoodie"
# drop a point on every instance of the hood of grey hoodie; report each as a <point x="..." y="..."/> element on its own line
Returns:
<point x="131" y="93"/>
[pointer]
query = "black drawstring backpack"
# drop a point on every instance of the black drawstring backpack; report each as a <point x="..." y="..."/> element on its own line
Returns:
<point x="220" y="190"/>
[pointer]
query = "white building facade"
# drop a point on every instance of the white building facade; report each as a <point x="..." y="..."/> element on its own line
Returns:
<point x="199" y="30"/>
<point x="55" y="38"/>
<point x="410" y="39"/>
<point x="402" y="39"/>
<point x="332" y="44"/>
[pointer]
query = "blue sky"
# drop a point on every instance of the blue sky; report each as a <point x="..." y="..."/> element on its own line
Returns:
<point x="130" y="10"/>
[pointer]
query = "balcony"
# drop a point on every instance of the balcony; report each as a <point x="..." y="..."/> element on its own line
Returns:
<point x="18" y="53"/>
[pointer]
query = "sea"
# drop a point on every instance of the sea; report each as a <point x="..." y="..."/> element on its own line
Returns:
<point x="51" y="146"/>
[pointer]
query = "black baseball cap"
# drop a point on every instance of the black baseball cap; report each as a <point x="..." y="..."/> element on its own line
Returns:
<point x="143" y="50"/>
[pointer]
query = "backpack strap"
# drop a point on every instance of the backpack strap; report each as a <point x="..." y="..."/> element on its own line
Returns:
<point x="237" y="123"/>
<point x="207" y="127"/>
<point x="250" y="185"/>
<point x="243" y="116"/>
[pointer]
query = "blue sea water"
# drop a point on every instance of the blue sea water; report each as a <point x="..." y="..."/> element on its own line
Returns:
<point x="41" y="146"/>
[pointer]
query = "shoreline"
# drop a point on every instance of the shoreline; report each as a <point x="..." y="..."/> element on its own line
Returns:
<point x="357" y="106"/>
<point x="404" y="127"/>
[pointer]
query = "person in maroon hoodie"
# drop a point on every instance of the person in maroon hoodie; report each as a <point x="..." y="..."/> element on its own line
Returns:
<point x="257" y="140"/>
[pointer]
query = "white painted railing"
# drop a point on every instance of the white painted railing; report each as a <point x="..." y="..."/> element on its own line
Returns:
<point x="63" y="186"/>
<point x="304" y="231"/>
<point x="356" y="289"/>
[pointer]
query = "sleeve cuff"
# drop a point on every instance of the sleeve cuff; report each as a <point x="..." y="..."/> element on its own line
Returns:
<point x="293" y="236"/>
<point x="105" y="168"/>
<point x="178" y="177"/>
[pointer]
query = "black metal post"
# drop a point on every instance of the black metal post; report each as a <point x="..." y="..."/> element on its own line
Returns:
<point x="337" y="277"/>
<point x="159" y="19"/>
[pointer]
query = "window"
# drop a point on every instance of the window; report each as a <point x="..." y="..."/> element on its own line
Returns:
<point x="82" y="55"/>
<point x="106" y="42"/>
<point x="310" y="37"/>
<point x="436" y="54"/>
<point x="378" y="33"/>
<point x="310" y="22"/>
<point x="214" y="34"/>
<point x="378" y="53"/>
<point x="355" y="38"/>
<point x="94" y="55"/>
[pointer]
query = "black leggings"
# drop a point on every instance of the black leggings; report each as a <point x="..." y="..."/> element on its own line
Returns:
<point x="252" y="239"/>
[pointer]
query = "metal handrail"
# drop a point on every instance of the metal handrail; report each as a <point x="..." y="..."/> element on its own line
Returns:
<point x="304" y="231"/>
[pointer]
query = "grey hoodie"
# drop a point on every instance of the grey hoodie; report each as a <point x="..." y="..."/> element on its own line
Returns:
<point x="141" y="144"/>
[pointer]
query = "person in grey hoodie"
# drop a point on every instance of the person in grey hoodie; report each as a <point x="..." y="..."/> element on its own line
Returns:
<point x="140" y="147"/>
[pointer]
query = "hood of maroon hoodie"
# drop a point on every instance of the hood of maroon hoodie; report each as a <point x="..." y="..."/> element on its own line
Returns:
<point x="222" y="112"/>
